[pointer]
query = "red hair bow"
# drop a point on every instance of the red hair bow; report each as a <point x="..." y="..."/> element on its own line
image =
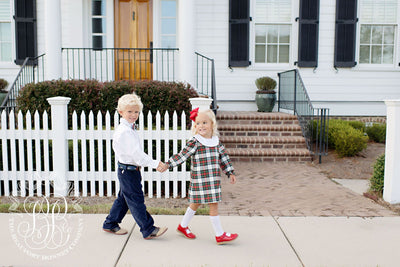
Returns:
<point x="194" y="113"/>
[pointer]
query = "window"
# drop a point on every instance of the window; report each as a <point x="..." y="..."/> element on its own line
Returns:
<point x="5" y="31"/>
<point x="98" y="24"/>
<point x="378" y="27"/>
<point x="168" y="23"/>
<point x="272" y="31"/>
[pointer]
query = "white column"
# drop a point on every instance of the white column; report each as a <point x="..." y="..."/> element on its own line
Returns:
<point x="59" y="127"/>
<point x="186" y="38"/>
<point x="53" y="39"/>
<point x="200" y="102"/>
<point x="391" y="190"/>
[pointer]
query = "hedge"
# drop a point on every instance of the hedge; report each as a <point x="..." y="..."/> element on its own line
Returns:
<point x="97" y="96"/>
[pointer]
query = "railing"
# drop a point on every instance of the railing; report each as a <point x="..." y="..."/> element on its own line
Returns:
<point x="314" y="122"/>
<point x="205" y="78"/>
<point x="109" y="64"/>
<point x="31" y="71"/>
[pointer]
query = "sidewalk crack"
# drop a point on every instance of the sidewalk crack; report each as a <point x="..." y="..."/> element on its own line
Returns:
<point x="123" y="248"/>
<point x="287" y="239"/>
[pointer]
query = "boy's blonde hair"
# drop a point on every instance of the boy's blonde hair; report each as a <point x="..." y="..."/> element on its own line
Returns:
<point x="211" y="115"/>
<point x="129" y="100"/>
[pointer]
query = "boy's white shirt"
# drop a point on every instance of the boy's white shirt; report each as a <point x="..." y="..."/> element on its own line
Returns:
<point x="128" y="147"/>
<point x="213" y="141"/>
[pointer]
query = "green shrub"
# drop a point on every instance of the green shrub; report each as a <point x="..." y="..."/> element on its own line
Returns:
<point x="346" y="140"/>
<point x="3" y="84"/>
<point x="97" y="96"/>
<point x="377" y="178"/>
<point x="377" y="132"/>
<point x="357" y="125"/>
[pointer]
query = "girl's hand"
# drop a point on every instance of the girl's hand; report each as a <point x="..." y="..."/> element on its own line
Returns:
<point x="233" y="178"/>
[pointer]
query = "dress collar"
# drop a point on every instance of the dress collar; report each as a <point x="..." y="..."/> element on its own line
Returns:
<point x="213" y="141"/>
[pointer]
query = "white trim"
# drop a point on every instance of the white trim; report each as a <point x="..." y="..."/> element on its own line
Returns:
<point x="293" y="43"/>
<point x="378" y="67"/>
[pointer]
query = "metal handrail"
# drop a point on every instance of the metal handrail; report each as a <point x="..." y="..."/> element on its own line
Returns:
<point x="26" y="74"/>
<point x="314" y="122"/>
<point x="205" y="78"/>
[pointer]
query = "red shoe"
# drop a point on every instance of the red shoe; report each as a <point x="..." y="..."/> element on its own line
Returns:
<point x="186" y="232"/>
<point x="225" y="238"/>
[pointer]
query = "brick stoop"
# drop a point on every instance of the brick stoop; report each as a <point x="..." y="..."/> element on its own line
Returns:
<point x="257" y="136"/>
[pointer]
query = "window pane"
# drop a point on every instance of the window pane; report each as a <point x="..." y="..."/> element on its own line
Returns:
<point x="273" y="11"/>
<point x="5" y="10"/>
<point x="365" y="36"/>
<point x="378" y="11"/>
<point x="98" y="7"/>
<point x="388" y="33"/>
<point x="5" y="52"/>
<point x="260" y="54"/>
<point x="97" y="41"/>
<point x="377" y="34"/>
<point x="97" y="25"/>
<point x="272" y="53"/>
<point x="168" y="41"/>
<point x="283" y="54"/>
<point x="168" y="26"/>
<point x="388" y="54"/>
<point x="272" y="34"/>
<point x="168" y="9"/>
<point x="261" y="34"/>
<point x="376" y="55"/>
<point x="284" y="34"/>
<point x="364" y="54"/>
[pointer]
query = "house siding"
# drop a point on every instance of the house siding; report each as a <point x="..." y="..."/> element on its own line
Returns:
<point x="357" y="91"/>
<point x="346" y="91"/>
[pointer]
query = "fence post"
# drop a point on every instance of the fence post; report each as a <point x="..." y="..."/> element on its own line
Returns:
<point x="391" y="188"/>
<point x="59" y="127"/>
<point x="200" y="102"/>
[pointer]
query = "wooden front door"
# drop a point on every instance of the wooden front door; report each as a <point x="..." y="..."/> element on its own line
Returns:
<point x="134" y="36"/>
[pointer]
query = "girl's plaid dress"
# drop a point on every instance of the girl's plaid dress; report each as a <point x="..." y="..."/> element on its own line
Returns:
<point x="207" y="161"/>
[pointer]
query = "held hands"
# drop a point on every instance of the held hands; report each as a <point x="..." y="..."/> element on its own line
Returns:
<point x="162" y="167"/>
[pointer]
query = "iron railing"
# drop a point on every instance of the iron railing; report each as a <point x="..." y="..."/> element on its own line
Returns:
<point x="109" y="64"/>
<point x="314" y="122"/>
<point x="31" y="71"/>
<point x="205" y="78"/>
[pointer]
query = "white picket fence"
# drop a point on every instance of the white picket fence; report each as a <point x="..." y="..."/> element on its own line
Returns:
<point x="40" y="160"/>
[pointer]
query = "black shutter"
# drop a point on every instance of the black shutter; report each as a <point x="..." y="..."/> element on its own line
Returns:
<point x="239" y="22"/>
<point x="345" y="33"/>
<point x="308" y="33"/>
<point x="25" y="30"/>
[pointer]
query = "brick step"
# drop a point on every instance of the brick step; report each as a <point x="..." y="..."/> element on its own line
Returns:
<point x="263" y="142"/>
<point x="259" y="130"/>
<point x="269" y="155"/>
<point x="259" y="136"/>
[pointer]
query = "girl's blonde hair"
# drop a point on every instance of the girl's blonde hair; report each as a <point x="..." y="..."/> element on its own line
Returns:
<point x="211" y="115"/>
<point x="129" y="100"/>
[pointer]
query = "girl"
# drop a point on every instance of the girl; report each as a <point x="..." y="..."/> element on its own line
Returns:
<point x="208" y="155"/>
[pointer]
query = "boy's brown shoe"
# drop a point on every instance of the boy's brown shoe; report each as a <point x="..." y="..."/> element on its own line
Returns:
<point x="117" y="231"/>
<point x="158" y="231"/>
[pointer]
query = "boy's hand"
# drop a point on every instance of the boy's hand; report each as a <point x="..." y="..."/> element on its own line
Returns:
<point x="162" y="167"/>
<point x="233" y="178"/>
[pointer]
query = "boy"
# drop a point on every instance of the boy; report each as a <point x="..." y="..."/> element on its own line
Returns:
<point x="130" y="156"/>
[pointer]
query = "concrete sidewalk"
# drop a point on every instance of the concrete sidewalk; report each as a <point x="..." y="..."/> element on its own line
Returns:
<point x="263" y="241"/>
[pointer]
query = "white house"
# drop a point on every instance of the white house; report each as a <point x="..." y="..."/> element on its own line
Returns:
<point x="347" y="51"/>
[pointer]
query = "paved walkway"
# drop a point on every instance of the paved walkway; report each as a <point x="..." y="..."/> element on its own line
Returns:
<point x="285" y="214"/>
<point x="292" y="189"/>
